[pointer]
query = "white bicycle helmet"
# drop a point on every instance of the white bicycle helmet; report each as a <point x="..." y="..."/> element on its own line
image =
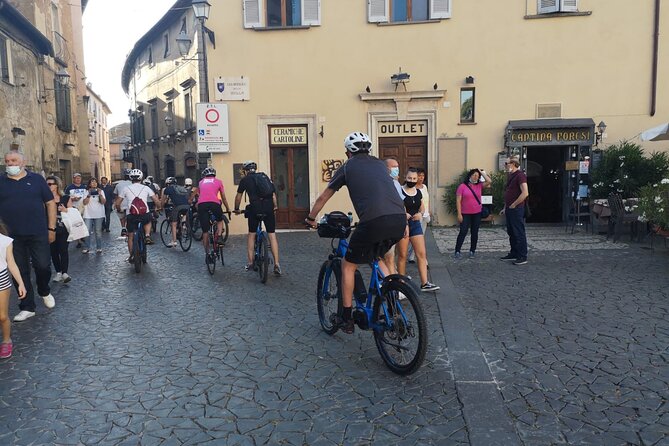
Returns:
<point x="358" y="142"/>
<point x="147" y="181"/>
<point x="209" y="172"/>
<point x="170" y="180"/>
<point x="136" y="174"/>
<point x="188" y="182"/>
<point x="249" y="165"/>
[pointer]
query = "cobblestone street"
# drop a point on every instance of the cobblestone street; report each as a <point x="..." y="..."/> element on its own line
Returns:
<point x="571" y="348"/>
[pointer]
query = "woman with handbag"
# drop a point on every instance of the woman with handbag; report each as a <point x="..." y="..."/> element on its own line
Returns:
<point x="59" y="254"/>
<point x="469" y="207"/>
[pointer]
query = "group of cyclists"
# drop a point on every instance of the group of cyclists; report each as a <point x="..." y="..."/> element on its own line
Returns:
<point x="139" y="200"/>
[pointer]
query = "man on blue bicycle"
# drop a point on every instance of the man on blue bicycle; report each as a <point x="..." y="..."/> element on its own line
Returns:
<point x="260" y="202"/>
<point x="177" y="196"/>
<point x="383" y="220"/>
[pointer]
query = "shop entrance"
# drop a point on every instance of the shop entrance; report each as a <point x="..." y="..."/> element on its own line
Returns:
<point x="409" y="151"/>
<point x="546" y="182"/>
<point x="290" y="174"/>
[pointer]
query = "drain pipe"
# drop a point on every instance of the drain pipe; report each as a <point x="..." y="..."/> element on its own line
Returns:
<point x="656" y="35"/>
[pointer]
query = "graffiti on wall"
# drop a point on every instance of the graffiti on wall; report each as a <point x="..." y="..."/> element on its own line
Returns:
<point x="328" y="168"/>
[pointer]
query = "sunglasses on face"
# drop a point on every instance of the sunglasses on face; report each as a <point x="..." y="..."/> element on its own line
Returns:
<point x="51" y="184"/>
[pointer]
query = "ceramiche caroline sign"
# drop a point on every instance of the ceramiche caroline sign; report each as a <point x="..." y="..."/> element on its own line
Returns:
<point x="294" y="136"/>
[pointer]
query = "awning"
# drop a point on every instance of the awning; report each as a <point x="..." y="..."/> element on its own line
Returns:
<point x="659" y="133"/>
<point x="551" y="123"/>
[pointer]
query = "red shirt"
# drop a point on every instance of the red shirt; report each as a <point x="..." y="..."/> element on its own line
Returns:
<point x="512" y="191"/>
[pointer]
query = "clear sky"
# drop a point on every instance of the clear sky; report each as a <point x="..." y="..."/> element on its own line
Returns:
<point x="111" y="29"/>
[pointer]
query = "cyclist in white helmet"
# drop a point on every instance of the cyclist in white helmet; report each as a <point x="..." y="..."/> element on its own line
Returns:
<point x="383" y="220"/>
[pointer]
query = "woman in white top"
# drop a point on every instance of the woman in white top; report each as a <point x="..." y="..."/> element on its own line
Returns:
<point x="94" y="215"/>
<point x="7" y="263"/>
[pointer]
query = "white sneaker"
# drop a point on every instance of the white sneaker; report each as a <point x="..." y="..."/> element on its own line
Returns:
<point x="23" y="315"/>
<point x="58" y="278"/>
<point x="49" y="301"/>
<point x="66" y="277"/>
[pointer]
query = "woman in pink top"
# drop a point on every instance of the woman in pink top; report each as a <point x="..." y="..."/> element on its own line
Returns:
<point x="211" y="193"/>
<point x="468" y="204"/>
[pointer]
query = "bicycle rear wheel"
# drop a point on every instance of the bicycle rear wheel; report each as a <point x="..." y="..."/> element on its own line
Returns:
<point x="402" y="338"/>
<point x="210" y="260"/>
<point x="263" y="258"/>
<point x="185" y="236"/>
<point x="137" y="252"/>
<point x="328" y="296"/>
<point x="196" y="228"/>
<point x="166" y="232"/>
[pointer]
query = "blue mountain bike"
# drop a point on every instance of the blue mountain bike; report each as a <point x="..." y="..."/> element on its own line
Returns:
<point x="390" y="307"/>
<point x="138" y="247"/>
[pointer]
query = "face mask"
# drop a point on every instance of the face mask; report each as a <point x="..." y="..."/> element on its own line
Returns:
<point x="394" y="172"/>
<point x="410" y="183"/>
<point x="13" y="170"/>
<point x="472" y="180"/>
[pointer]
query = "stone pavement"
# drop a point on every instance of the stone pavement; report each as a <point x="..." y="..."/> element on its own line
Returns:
<point x="576" y="342"/>
<point x="175" y="356"/>
<point x="569" y="349"/>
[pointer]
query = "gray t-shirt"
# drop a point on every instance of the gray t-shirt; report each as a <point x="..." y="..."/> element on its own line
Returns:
<point x="370" y="187"/>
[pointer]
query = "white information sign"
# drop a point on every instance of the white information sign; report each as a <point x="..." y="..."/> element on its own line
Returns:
<point x="233" y="88"/>
<point x="213" y="133"/>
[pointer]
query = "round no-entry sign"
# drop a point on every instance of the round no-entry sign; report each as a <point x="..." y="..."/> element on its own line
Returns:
<point x="212" y="116"/>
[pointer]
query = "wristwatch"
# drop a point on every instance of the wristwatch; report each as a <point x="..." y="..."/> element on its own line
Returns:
<point x="52" y="229"/>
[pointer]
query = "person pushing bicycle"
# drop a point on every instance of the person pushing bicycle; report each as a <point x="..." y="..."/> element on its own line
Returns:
<point x="381" y="212"/>
<point x="260" y="202"/>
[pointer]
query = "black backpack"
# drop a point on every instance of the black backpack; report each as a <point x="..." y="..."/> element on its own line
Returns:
<point x="264" y="186"/>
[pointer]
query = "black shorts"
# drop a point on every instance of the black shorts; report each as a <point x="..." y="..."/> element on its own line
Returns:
<point x="176" y="210"/>
<point x="131" y="221"/>
<point x="203" y="210"/>
<point x="251" y="212"/>
<point x="372" y="239"/>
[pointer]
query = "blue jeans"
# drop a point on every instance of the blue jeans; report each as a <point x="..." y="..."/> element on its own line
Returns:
<point x="94" y="226"/>
<point x="33" y="249"/>
<point x="515" y="227"/>
<point x="473" y="221"/>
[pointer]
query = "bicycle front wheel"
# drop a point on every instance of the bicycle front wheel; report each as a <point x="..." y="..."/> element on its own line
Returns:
<point x="166" y="232"/>
<point x="402" y="336"/>
<point x="263" y="258"/>
<point x="328" y="296"/>
<point x="210" y="260"/>
<point x="196" y="229"/>
<point x="185" y="236"/>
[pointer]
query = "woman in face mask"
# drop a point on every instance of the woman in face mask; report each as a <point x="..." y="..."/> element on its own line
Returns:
<point x="468" y="204"/>
<point x="414" y="209"/>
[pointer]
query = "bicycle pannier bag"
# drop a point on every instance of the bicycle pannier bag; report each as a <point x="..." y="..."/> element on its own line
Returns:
<point x="334" y="225"/>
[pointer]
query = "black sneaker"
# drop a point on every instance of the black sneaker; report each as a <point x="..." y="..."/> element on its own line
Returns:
<point x="520" y="261"/>
<point x="427" y="286"/>
<point x="348" y="326"/>
<point x="124" y="232"/>
<point x="508" y="257"/>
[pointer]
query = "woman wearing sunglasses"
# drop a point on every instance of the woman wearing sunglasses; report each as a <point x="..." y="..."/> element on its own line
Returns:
<point x="59" y="255"/>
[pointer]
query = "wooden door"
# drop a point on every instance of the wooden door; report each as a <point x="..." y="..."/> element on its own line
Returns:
<point x="409" y="151"/>
<point x="290" y="174"/>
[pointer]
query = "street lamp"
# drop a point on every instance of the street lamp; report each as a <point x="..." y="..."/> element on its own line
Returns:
<point x="183" y="43"/>
<point x="598" y="135"/>
<point x="168" y="121"/>
<point x="201" y="8"/>
<point x="63" y="77"/>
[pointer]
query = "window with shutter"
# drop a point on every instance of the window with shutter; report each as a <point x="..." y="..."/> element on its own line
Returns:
<point x="4" y="59"/>
<point x="252" y="13"/>
<point x="440" y="9"/>
<point x="548" y="6"/>
<point x="311" y="12"/>
<point x="377" y="10"/>
<point x="569" y="5"/>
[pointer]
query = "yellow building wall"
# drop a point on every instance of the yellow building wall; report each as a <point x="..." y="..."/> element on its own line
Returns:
<point x="596" y="66"/>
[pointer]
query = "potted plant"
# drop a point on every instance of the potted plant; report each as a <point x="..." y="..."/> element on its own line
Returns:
<point x="653" y="206"/>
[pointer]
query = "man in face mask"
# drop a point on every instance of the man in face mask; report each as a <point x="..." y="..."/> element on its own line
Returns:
<point x="394" y="171"/>
<point x="23" y="198"/>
